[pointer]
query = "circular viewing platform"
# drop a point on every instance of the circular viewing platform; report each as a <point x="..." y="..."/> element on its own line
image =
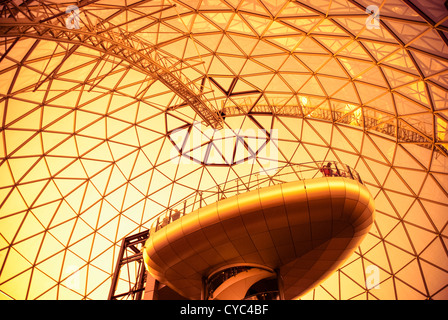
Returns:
<point x="272" y="236"/>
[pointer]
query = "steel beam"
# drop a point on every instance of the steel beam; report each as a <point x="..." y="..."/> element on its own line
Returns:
<point x="114" y="41"/>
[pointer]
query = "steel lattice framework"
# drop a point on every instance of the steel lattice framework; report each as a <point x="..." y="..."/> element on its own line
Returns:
<point x="109" y="40"/>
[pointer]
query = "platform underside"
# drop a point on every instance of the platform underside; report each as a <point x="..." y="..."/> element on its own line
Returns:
<point x="304" y="229"/>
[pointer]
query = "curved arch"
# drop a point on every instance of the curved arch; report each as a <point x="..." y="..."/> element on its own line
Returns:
<point x="122" y="45"/>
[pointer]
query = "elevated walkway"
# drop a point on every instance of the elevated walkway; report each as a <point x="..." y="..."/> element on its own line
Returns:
<point x="293" y="232"/>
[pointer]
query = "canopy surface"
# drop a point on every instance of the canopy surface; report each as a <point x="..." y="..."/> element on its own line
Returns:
<point x="88" y="154"/>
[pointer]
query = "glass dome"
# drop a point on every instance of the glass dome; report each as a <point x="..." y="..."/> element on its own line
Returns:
<point x="110" y="114"/>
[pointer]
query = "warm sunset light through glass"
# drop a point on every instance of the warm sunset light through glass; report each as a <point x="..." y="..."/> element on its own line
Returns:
<point x="86" y="155"/>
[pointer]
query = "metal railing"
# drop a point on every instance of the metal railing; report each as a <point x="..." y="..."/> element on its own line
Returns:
<point x="287" y="173"/>
<point x="130" y="256"/>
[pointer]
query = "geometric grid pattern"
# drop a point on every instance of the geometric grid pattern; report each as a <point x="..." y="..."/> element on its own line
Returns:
<point x="86" y="157"/>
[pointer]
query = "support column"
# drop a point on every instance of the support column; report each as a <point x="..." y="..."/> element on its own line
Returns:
<point x="281" y="288"/>
<point x="204" y="291"/>
<point x="151" y="289"/>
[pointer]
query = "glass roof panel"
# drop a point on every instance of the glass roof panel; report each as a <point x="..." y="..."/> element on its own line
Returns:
<point x="86" y="116"/>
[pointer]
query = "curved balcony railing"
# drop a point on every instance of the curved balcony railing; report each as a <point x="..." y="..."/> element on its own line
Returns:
<point x="287" y="173"/>
<point x="265" y="288"/>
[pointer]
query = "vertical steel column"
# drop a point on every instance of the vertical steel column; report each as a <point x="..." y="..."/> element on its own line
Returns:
<point x="281" y="288"/>
<point x="204" y="291"/>
<point x="141" y="282"/>
<point x="131" y="243"/>
<point x="116" y="274"/>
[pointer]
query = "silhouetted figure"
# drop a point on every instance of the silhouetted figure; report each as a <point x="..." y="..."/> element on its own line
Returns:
<point x="327" y="170"/>
<point x="175" y="215"/>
